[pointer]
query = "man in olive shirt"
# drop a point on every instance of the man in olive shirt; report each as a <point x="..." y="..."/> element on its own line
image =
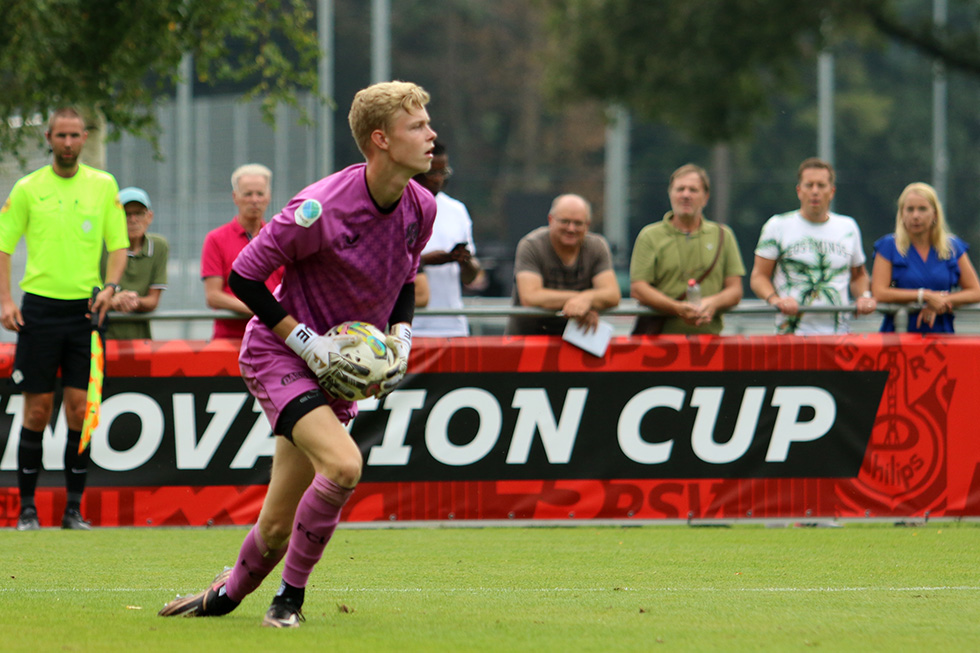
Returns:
<point x="145" y="277"/>
<point x="683" y="246"/>
<point x="66" y="212"/>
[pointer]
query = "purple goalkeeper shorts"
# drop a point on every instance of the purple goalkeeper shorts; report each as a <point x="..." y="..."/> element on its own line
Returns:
<point x="275" y="375"/>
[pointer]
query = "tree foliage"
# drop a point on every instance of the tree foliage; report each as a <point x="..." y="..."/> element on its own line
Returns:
<point x="709" y="68"/>
<point x="118" y="56"/>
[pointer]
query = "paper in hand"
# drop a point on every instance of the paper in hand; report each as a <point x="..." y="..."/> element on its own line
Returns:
<point x="595" y="342"/>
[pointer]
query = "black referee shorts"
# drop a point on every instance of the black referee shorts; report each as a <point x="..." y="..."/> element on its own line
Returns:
<point x="56" y="335"/>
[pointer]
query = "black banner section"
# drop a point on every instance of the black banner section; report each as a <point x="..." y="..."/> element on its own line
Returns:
<point x="194" y="431"/>
<point x="727" y="425"/>
<point x="493" y="426"/>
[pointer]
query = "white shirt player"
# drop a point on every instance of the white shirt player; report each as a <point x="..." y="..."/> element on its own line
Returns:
<point x="452" y="226"/>
<point x="813" y="266"/>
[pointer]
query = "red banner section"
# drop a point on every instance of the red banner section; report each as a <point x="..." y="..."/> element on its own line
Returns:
<point x="671" y="427"/>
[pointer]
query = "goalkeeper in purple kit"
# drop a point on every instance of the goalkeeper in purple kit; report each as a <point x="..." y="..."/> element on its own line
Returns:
<point x="350" y="244"/>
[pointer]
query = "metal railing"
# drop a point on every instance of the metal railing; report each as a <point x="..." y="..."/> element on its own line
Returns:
<point x="487" y="316"/>
<point x="492" y="309"/>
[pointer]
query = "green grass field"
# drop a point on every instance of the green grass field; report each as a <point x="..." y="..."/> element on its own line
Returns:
<point x="647" y="588"/>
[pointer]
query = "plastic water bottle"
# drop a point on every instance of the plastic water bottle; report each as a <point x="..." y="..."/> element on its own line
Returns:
<point x="693" y="296"/>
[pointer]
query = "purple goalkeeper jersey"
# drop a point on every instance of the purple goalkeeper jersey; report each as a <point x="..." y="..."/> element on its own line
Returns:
<point x="349" y="264"/>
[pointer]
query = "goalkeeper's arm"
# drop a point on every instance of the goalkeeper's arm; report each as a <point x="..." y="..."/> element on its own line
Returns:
<point x="261" y="302"/>
<point x="400" y="337"/>
<point x="404" y="309"/>
<point x="321" y="353"/>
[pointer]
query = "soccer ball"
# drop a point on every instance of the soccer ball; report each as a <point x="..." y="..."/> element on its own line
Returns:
<point x="370" y="351"/>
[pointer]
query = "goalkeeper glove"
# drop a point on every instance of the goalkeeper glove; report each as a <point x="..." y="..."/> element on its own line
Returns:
<point x="341" y="384"/>
<point x="399" y="340"/>
<point x="322" y="353"/>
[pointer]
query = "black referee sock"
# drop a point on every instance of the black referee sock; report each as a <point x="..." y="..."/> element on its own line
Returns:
<point x="29" y="453"/>
<point x="76" y="470"/>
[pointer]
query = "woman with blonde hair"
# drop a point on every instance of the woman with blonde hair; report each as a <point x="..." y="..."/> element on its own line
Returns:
<point x="922" y="264"/>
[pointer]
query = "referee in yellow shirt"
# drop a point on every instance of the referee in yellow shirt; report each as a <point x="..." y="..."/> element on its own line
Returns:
<point x="65" y="212"/>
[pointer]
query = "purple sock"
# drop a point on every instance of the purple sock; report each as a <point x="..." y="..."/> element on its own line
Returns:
<point x="255" y="562"/>
<point x="316" y="518"/>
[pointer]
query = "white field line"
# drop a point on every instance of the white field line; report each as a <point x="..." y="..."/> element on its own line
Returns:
<point x="529" y="590"/>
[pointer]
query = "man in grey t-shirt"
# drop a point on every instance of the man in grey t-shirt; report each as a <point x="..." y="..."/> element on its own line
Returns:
<point x="563" y="268"/>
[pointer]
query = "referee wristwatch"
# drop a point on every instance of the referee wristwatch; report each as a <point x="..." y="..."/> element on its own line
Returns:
<point x="115" y="287"/>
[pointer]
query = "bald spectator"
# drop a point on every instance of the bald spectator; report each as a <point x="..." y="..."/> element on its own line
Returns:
<point x="563" y="268"/>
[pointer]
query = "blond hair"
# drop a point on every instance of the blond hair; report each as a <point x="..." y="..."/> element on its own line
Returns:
<point x="375" y="107"/>
<point x="251" y="169"/>
<point x="938" y="233"/>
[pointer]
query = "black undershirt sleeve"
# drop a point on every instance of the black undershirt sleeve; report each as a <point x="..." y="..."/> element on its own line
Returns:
<point x="258" y="298"/>
<point x="404" y="309"/>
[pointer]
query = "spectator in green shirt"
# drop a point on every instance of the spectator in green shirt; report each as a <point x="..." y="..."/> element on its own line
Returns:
<point x="683" y="246"/>
<point x="145" y="277"/>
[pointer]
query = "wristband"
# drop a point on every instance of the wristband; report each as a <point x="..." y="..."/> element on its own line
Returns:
<point x="300" y="338"/>
<point x="919" y="296"/>
<point x="402" y="332"/>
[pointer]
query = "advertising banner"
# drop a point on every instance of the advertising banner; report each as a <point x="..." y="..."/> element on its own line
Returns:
<point x="668" y="427"/>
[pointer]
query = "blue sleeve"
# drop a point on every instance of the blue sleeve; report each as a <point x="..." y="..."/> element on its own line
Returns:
<point x="885" y="246"/>
<point x="960" y="246"/>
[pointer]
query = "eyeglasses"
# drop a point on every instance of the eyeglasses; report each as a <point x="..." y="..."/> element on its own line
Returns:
<point x="445" y="173"/>
<point x="566" y="222"/>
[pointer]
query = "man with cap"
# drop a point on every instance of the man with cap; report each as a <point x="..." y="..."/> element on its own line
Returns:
<point x="145" y="277"/>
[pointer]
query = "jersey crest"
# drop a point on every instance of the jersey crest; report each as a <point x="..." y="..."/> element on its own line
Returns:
<point x="308" y="213"/>
<point x="412" y="234"/>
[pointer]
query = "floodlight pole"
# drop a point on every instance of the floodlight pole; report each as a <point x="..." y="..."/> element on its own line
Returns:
<point x="940" y="151"/>
<point x="615" y="223"/>
<point x="325" y="80"/>
<point x="380" y="41"/>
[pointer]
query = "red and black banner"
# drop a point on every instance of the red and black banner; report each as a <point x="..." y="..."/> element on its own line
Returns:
<point x="493" y="428"/>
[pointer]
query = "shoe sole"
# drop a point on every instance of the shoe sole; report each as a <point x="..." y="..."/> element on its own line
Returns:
<point x="272" y="622"/>
<point x="293" y="620"/>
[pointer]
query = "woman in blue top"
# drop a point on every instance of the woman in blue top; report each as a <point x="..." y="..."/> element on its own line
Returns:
<point x="922" y="264"/>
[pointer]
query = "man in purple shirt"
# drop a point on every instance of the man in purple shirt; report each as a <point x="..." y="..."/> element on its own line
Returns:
<point x="355" y="260"/>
